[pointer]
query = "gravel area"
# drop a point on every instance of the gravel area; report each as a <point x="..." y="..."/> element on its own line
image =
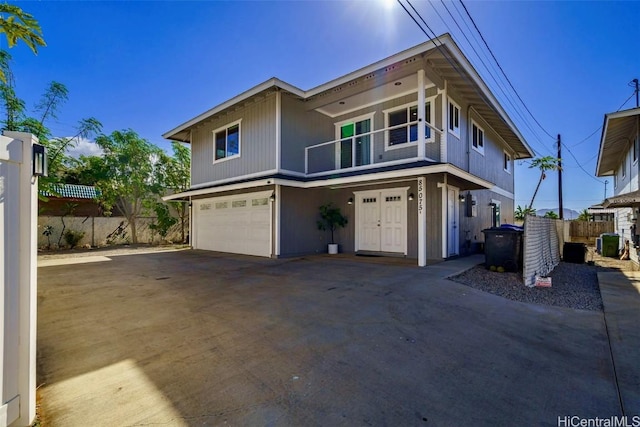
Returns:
<point x="573" y="285"/>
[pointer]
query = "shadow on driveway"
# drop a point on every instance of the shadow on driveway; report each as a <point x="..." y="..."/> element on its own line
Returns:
<point x="202" y="338"/>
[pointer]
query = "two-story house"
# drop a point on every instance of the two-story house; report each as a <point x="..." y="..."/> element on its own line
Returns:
<point x="414" y="149"/>
<point x="618" y="157"/>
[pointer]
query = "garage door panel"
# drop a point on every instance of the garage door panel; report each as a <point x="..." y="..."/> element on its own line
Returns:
<point x="237" y="224"/>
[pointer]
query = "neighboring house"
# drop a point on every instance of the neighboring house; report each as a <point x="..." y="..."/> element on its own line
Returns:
<point x="600" y="214"/>
<point x="414" y="149"/>
<point x="618" y="156"/>
<point x="83" y="200"/>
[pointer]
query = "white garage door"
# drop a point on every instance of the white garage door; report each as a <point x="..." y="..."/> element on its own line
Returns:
<point x="239" y="224"/>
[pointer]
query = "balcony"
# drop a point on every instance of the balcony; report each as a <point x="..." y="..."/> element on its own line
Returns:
<point x="360" y="148"/>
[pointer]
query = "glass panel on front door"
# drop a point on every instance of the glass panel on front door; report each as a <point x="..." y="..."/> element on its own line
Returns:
<point x="357" y="133"/>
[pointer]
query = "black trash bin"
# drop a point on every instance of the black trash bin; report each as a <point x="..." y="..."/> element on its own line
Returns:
<point x="574" y="252"/>
<point x="503" y="248"/>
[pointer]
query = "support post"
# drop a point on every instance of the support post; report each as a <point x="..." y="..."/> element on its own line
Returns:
<point x="421" y="116"/>
<point x="422" y="223"/>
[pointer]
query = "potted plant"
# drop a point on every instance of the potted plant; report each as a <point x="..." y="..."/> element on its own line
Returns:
<point x="331" y="219"/>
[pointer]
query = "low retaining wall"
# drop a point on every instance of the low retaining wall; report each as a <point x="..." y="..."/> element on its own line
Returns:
<point x="101" y="231"/>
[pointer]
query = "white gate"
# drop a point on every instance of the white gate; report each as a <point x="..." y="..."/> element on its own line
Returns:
<point x="18" y="228"/>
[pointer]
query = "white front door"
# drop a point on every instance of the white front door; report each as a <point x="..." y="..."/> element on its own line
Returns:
<point x="452" y="221"/>
<point x="382" y="221"/>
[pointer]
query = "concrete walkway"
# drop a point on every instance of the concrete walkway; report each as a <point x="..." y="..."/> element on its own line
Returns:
<point x="199" y="338"/>
<point x="621" y="299"/>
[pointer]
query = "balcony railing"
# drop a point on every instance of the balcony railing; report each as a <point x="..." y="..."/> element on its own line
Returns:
<point x="367" y="150"/>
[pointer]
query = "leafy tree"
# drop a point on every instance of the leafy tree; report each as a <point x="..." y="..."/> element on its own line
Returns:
<point x="176" y="178"/>
<point x="551" y="214"/>
<point x="126" y="174"/>
<point x="584" y="216"/>
<point x="331" y="219"/>
<point x="544" y="164"/>
<point x="18" y="25"/>
<point x="521" y="213"/>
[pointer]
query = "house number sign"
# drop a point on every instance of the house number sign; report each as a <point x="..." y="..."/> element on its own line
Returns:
<point x="420" y="195"/>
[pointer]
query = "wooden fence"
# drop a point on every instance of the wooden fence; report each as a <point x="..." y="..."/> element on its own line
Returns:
<point x="587" y="230"/>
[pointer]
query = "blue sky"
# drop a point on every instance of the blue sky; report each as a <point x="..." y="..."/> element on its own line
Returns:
<point x="150" y="66"/>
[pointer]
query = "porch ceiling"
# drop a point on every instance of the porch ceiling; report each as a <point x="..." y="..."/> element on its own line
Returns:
<point x="617" y="133"/>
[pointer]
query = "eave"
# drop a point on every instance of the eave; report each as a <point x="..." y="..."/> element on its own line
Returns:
<point x="617" y="132"/>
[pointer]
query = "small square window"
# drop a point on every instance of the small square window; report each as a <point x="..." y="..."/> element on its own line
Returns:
<point x="506" y="162"/>
<point x="454" y="118"/>
<point x="477" y="138"/>
<point x="227" y="142"/>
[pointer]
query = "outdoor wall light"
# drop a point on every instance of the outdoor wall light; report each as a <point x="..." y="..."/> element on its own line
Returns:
<point x="40" y="167"/>
<point x="272" y="198"/>
<point x="350" y="201"/>
<point x="411" y="196"/>
<point x="461" y="197"/>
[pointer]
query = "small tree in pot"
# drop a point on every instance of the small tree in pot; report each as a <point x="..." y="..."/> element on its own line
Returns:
<point x="331" y="219"/>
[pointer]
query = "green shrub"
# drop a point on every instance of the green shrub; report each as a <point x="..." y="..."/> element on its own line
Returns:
<point x="73" y="237"/>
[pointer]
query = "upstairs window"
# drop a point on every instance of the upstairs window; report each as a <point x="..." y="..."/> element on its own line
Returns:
<point x="403" y="124"/>
<point x="477" y="138"/>
<point x="454" y="118"/>
<point x="226" y="142"/>
<point x="506" y="162"/>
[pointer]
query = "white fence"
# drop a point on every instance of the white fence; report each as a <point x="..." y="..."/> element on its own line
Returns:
<point x="101" y="231"/>
<point x="543" y="240"/>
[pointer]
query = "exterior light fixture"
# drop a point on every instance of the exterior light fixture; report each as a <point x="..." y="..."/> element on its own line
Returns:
<point x="461" y="197"/>
<point x="411" y="196"/>
<point x="350" y="201"/>
<point x="341" y="102"/>
<point x="40" y="167"/>
<point x="397" y="83"/>
<point x="272" y="198"/>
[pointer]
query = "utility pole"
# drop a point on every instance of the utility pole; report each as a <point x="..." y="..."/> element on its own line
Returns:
<point x="560" y="207"/>
<point x="635" y="82"/>
<point x="606" y="181"/>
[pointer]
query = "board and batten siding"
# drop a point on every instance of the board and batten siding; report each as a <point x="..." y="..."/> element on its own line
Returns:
<point x="488" y="166"/>
<point x="257" y="143"/>
<point x="301" y="128"/>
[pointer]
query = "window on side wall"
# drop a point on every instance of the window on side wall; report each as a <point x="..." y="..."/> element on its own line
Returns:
<point x="495" y="213"/>
<point x="635" y="149"/>
<point x="226" y="142"/>
<point x="477" y="138"/>
<point x="506" y="162"/>
<point x="454" y="118"/>
<point x="624" y="168"/>
<point x="615" y="179"/>
<point x="404" y="124"/>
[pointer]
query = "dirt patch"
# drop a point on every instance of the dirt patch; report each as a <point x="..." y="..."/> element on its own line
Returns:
<point x="108" y="251"/>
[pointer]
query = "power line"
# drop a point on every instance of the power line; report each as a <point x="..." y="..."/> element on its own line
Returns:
<point x="503" y="73"/>
<point x="600" y="127"/>
<point x="489" y="72"/>
<point x="580" y="165"/>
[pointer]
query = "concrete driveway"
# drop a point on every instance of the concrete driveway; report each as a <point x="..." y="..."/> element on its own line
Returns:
<point x="201" y="338"/>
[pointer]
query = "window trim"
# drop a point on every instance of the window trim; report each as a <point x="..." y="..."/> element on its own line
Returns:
<point x="509" y="167"/>
<point x="456" y="130"/>
<point x="615" y="179"/>
<point x="338" y="126"/>
<point x="636" y="140"/>
<point x="624" y="167"/>
<point x="430" y="100"/>
<point x="226" y="128"/>
<point x="480" y="129"/>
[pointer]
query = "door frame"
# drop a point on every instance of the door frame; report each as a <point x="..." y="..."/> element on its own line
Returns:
<point x="456" y="216"/>
<point x="359" y="195"/>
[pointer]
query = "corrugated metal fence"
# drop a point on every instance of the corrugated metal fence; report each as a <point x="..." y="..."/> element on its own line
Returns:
<point x="543" y="238"/>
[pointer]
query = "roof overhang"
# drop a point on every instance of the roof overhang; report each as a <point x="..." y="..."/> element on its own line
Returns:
<point x="440" y="54"/>
<point x="617" y="132"/>
<point x="627" y="200"/>
<point x="469" y="181"/>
